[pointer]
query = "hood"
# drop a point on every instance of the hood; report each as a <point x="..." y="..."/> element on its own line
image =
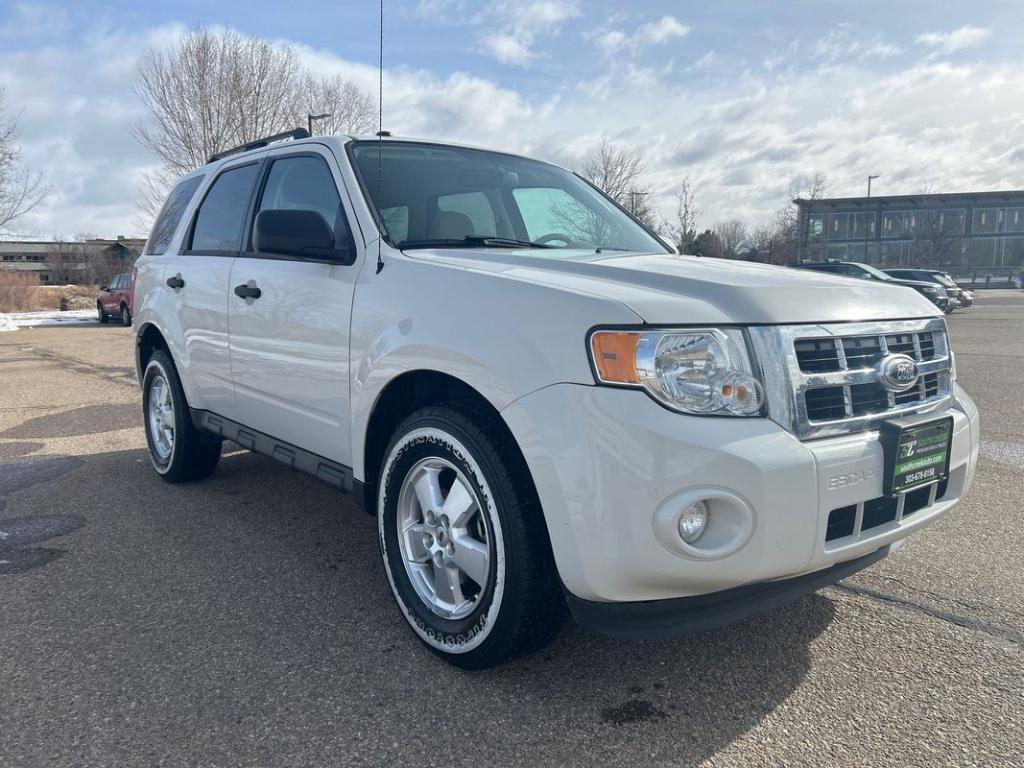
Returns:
<point x="670" y="289"/>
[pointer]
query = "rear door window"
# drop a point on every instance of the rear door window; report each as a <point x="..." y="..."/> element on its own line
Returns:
<point x="218" y="226"/>
<point x="170" y="215"/>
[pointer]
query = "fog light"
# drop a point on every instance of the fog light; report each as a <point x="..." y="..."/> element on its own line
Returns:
<point x="693" y="521"/>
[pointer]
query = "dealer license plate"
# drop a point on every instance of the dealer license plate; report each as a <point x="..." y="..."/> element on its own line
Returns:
<point x="916" y="452"/>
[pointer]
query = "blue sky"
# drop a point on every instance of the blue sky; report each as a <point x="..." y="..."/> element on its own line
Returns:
<point x="741" y="97"/>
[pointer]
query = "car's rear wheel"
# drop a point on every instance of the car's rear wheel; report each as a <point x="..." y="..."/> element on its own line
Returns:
<point x="464" y="542"/>
<point x="126" y="315"/>
<point x="177" y="450"/>
<point x="102" y="315"/>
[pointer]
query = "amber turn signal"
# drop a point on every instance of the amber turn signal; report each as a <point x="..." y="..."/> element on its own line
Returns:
<point x="614" y="354"/>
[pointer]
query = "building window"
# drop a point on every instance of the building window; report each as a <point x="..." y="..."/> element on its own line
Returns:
<point x="952" y="221"/>
<point x="984" y="221"/>
<point x="1013" y="250"/>
<point x="1014" y="220"/>
<point x="862" y="225"/>
<point x="981" y="251"/>
<point x="43" y="277"/>
<point x="838" y="226"/>
<point x="815" y="226"/>
<point x="892" y="224"/>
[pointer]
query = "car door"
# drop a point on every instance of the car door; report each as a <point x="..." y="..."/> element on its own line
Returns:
<point x="200" y="278"/>
<point x="109" y="297"/>
<point x="289" y="315"/>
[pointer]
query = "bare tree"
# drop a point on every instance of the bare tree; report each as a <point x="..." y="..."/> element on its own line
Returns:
<point x="215" y="90"/>
<point x="618" y="172"/>
<point x="349" y="108"/>
<point x="789" y="229"/>
<point x="938" y="238"/>
<point x="681" y="231"/>
<point x="65" y="261"/>
<point x="21" y="190"/>
<point x="733" y="237"/>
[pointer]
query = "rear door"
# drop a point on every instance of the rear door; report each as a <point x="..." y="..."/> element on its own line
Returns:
<point x="200" y="279"/>
<point x="290" y="346"/>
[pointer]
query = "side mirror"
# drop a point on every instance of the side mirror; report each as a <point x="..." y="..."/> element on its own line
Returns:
<point x="299" y="233"/>
<point x="104" y="288"/>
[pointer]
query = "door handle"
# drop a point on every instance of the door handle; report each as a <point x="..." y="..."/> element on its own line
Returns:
<point x="248" y="291"/>
<point x="175" y="282"/>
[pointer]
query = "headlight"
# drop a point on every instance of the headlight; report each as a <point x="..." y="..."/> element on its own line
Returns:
<point x="704" y="371"/>
<point x="930" y="291"/>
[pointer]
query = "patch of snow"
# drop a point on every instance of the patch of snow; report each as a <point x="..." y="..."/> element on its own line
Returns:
<point x="12" y="321"/>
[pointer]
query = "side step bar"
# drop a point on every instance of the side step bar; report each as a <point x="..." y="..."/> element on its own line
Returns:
<point x="292" y="456"/>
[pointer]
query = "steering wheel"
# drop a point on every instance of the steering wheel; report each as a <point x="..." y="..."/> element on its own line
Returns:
<point x="552" y="236"/>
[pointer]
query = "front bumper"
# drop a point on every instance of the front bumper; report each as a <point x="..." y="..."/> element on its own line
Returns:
<point x="676" y="617"/>
<point x="605" y="461"/>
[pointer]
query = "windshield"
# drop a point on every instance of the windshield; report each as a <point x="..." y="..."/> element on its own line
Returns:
<point x="944" y="279"/>
<point x="442" y="196"/>
<point x="877" y="273"/>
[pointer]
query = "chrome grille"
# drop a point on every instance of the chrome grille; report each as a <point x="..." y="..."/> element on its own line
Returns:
<point x="822" y="379"/>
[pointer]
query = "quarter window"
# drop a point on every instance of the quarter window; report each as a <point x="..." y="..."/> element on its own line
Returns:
<point x="170" y="215"/>
<point x="219" y="221"/>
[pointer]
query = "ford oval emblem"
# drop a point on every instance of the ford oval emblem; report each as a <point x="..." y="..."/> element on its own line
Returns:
<point x="898" y="373"/>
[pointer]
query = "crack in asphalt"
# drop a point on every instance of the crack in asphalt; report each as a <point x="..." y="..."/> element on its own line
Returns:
<point x="992" y="629"/>
<point x="82" y="366"/>
<point x="939" y="596"/>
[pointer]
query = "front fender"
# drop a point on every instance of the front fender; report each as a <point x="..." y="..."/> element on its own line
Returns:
<point x="504" y="337"/>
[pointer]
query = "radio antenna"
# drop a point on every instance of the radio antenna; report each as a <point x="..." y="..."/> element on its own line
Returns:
<point x="380" y="141"/>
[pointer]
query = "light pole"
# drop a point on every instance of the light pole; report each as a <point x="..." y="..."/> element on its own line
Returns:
<point x="868" y="213"/>
<point x="869" y="184"/>
<point x="310" y="119"/>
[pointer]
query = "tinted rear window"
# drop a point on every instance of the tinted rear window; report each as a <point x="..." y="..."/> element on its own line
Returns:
<point x="170" y="215"/>
<point x="219" y="221"/>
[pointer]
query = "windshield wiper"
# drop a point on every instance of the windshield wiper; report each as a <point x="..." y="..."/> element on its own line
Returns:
<point x="471" y="241"/>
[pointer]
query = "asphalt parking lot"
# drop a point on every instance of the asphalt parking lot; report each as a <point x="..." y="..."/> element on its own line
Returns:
<point x="246" y="620"/>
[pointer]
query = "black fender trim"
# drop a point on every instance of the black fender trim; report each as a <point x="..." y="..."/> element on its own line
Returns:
<point x="677" y="617"/>
<point x="290" y="455"/>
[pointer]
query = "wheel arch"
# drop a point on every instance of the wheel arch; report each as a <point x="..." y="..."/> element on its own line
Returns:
<point x="147" y="341"/>
<point x="407" y="393"/>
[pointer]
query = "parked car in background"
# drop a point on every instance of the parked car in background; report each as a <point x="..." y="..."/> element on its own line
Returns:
<point x="936" y="294"/>
<point x="115" y="299"/>
<point x="544" y="406"/>
<point x="938" y="277"/>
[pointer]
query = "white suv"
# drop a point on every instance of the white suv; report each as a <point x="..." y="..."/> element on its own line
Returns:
<point x="543" y="405"/>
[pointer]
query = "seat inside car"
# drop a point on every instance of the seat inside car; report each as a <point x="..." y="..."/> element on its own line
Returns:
<point x="451" y="225"/>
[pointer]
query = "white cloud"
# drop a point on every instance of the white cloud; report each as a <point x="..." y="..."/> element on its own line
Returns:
<point x="508" y="32"/>
<point x="844" y="44"/>
<point x="653" y="33"/>
<point x="958" y="39"/>
<point x="508" y="49"/>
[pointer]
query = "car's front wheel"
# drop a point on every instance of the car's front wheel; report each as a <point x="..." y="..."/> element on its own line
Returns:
<point x="178" y="451"/>
<point x="464" y="542"/>
<point x="100" y="313"/>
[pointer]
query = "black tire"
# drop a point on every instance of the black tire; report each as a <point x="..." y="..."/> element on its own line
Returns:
<point x="190" y="455"/>
<point x="521" y="607"/>
<point x="103" y="315"/>
<point x="126" y="315"/>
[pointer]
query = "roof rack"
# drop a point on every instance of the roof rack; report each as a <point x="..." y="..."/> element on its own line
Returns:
<point x="295" y="133"/>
